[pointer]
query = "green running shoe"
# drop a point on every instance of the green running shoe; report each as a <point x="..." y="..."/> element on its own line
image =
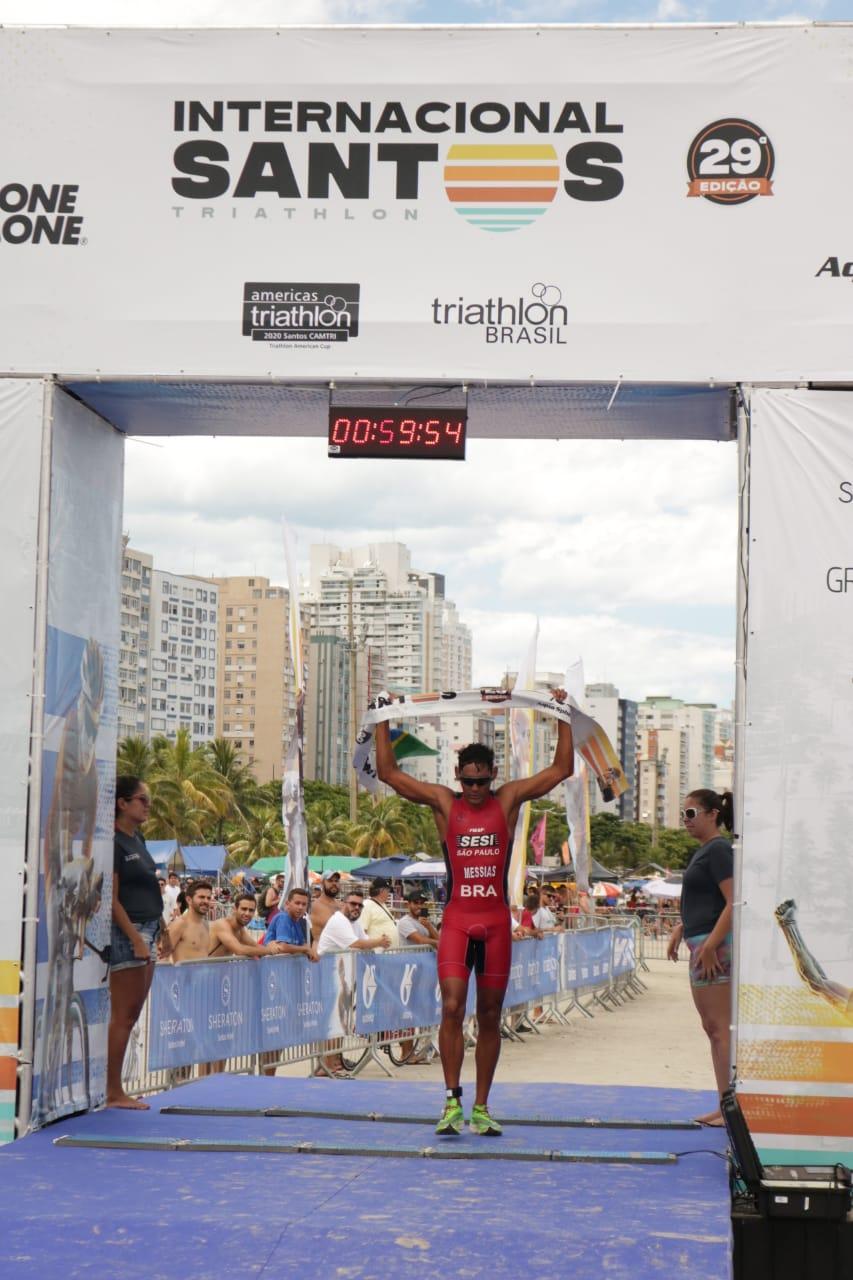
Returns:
<point x="481" y="1122"/>
<point x="452" y="1120"/>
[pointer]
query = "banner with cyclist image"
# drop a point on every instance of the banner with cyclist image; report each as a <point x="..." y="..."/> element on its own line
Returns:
<point x="795" y="900"/>
<point x="78" y="763"/>
<point x="21" y="415"/>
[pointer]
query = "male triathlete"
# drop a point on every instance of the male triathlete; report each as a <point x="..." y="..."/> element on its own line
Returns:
<point x="476" y="829"/>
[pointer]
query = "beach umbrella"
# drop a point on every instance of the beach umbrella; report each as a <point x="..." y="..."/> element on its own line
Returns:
<point x="661" y="889"/>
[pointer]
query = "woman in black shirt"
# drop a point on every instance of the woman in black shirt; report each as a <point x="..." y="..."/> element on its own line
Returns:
<point x="137" y="929"/>
<point x="706" y="925"/>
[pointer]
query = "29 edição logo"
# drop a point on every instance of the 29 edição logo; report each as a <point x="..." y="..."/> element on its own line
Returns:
<point x="730" y="161"/>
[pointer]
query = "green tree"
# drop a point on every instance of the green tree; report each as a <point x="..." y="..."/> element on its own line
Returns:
<point x="188" y="796"/>
<point x="383" y="830"/>
<point x="134" y="758"/>
<point x="329" y="833"/>
<point x="238" y="777"/>
<point x="674" y="847"/>
<point x="262" y="837"/>
<point x="619" y="845"/>
<point x="324" y="793"/>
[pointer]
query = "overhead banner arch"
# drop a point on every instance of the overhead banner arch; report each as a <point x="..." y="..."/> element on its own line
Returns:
<point x="471" y="203"/>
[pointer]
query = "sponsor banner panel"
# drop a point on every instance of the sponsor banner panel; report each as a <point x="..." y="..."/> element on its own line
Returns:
<point x="396" y="991"/>
<point x="78" y="761"/>
<point x="21" y="411"/>
<point x="624" y="951"/>
<point x="795" y="993"/>
<point x="552" y="204"/>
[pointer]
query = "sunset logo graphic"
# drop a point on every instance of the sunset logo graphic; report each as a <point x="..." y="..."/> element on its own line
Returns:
<point x="501" y="187"/>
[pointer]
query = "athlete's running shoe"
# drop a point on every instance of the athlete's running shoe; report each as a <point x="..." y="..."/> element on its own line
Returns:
<point x="484" y="1124"/>
<point x="452" y="1120"/>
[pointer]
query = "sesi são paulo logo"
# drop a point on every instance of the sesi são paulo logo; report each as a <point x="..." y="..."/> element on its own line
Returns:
<point x="502" y="164"/>
<point x="730" y="161"/>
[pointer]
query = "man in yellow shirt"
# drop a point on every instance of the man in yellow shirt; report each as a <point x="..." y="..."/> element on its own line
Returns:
<point x="377" y="919"/>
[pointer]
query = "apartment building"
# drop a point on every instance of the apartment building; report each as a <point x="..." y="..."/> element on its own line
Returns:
<point x="256" y="696"/>
<point x="675" y="750"/>
<point x="183" y="656"/>
<point x="618" y="718"/>
<point x="133" y="668"/>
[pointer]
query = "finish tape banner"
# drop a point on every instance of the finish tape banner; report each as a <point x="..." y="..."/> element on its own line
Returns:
<point x="591" y="742"/>
<point x="209" y="1010"/>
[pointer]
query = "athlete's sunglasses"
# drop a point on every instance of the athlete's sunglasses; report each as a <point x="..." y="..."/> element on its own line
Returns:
<point x="475" y="782"/>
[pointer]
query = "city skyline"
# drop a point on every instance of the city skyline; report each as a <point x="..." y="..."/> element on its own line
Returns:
<point x="626" y="552"/>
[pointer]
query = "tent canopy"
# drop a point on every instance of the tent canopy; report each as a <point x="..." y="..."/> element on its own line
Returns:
<point x="202" y="859"/>
<point x="391" y="867"/>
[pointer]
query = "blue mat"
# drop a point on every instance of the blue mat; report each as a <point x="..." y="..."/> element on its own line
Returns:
<point x="178" y="1215"/>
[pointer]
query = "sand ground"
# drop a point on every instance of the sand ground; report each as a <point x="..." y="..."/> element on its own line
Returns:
<point x="654" y="1040"/>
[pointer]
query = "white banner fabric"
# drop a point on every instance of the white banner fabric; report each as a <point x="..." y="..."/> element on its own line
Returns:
<point x="292" y="792"/>
<point x="795" y="995"/>
<point x="518" y="203"/>
<point x="78" y="762"/>
<point x="521" y="740"/>
<point x="21" y="412"/>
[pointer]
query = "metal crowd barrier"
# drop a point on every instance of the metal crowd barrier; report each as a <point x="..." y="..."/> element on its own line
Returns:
<point x="602" y="984"/>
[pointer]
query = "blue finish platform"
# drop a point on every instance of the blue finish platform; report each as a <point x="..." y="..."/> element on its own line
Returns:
<point x="182" y="1213"/>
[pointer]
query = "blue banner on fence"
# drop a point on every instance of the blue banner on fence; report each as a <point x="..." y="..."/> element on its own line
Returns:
<point x="397" y="990"/>
<point x="223" y="1009"/>
<point x="210" y="1010"/>
<point x="624" y="951"/>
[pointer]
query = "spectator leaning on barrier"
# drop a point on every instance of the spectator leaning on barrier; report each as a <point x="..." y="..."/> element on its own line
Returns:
<point x="288" y="932"/>
<point x="190" y="933"/>
<point x="343" y="931"/>
<point x="415" y="928"/>
<point x="377" y="920"/>
<point x="544" y="919"/>
<point x="326" y="904"/>
<point x="230" y="935"/>
<point x="272" y="897"/>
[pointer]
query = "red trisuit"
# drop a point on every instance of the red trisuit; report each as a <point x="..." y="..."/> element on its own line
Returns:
<point x="476" y="928"/>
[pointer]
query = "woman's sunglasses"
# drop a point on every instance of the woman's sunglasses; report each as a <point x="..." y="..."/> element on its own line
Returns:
<point x="687" y="815"/>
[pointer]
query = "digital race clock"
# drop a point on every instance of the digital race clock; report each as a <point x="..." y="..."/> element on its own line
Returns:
<point x="397" y="433"/>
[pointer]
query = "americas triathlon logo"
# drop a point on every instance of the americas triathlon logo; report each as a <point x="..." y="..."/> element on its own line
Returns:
<point x="730" y="162"/>
<point x="503" y="165"/>
<point x="297" y="314"/>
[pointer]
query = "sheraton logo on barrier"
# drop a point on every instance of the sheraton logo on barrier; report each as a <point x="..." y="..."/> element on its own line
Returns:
<point x="730" y="162"/>
<point x="291" y="315"/>
<point x="36" y="214"/>
<point x="503" y="166"/>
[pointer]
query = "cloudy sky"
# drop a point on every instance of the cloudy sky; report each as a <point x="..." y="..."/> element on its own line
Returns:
<point x="634" y="569"/>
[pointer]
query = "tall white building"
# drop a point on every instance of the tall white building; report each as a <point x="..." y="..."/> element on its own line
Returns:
<point x="372" y="597"/>
<point x="675" y="745"/>
<point x="133" y="668"/>
<point x="183" y="656"/>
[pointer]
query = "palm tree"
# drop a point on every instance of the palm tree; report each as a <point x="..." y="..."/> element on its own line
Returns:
<point x="134" y="758"/>
<point x="263" y="838"/>
<point x="225" y="759"/>
<point x="188" y="796"/>
<point x="328" y="833"/>
<point x="383" y="831"/>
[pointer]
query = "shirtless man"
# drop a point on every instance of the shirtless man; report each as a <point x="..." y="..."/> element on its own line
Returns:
<point x="230" y="935"/>
<point x="476" y="829"/>
<point x="326" y="904"/>
<point x="190" y="933"/>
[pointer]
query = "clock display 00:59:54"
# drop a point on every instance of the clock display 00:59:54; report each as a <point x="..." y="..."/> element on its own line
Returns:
<point x="436" y="433"/>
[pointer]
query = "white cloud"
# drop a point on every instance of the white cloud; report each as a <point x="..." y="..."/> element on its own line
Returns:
<point x="584" y="534"/>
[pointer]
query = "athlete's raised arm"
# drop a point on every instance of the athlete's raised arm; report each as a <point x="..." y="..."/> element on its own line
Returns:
<point x="514" y="794"/>
<point x="429" y="793"/>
